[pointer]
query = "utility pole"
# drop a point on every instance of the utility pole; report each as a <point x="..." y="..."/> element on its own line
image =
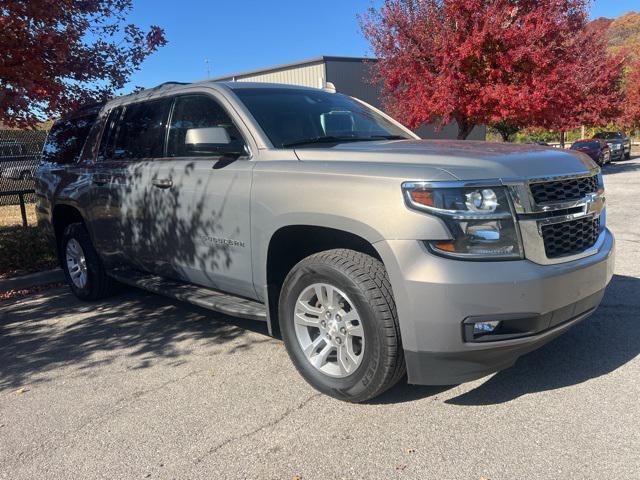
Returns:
<point x="206" y="61"/>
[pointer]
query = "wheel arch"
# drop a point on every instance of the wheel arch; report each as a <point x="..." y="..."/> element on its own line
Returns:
<point x="62" y="216"/>
<point x="290" y="244"/>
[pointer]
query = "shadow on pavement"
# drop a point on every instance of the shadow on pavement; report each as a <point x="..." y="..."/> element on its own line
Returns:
<point x="622" y="166"/>
<point x="599" y="345"/>
<point x="140" y="325"/>
<point x="146" y="327"/>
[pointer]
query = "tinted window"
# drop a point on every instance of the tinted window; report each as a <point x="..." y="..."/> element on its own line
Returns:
<point x="609" y="135"/>
<point x="197" y="111"/>
<point x="292" y="115"/>
<point x="66" y="139"/>
<point x="106" y="142"/>
<point x="140" y="130"/>
<point x="594" y="144"/>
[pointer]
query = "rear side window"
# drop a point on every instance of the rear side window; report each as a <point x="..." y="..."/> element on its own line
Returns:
<point x="106" y="142"/>
<point x="137" y="132"/>
<point x="197" y="111"/>
<point x="66" y="139"/>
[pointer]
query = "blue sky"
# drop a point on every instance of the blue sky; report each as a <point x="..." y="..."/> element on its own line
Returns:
<point x="241" y="34"/>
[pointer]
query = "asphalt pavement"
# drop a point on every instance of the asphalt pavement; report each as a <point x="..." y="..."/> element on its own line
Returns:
<point x="140" y="386"/>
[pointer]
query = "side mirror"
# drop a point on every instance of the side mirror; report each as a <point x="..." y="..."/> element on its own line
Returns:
<point x="212" y="141"/>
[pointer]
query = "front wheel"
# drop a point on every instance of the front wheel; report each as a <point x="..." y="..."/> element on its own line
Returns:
<point x="339" y="325"/>
<point x="627" y="156"/>
<point x="82" y="267"/>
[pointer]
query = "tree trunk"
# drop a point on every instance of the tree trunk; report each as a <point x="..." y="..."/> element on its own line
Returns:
<point x="562" y="139"/>
<point x="464" y="129"/>
<point x="505" y="136"/>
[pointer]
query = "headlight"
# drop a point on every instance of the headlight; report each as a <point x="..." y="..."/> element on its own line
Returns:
<point x="480" y="219"/>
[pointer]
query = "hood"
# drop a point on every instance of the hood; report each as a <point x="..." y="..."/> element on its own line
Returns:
<point x="463" y="159"/>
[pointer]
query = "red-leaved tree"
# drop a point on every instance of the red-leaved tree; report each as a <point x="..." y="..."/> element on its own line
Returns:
<point x="588" y="89"/>
<point x="477" y="62"/>
<point x="631" y="112"/>
<point x="58" y="55"/>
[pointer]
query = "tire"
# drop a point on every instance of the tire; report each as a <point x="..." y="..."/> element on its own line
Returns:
<point x="96" y="283"/>
<point x="361" y="283"/>
<point x="627" y="156"/>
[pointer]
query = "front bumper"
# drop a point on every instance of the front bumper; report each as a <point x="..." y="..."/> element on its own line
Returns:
<point x="435" y="295"/>
<point x="618" y="154"/>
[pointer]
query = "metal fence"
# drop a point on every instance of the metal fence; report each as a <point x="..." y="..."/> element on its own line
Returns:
<point x="19" y="156"/>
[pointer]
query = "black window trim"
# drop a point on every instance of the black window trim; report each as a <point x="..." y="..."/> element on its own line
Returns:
<point x="233" y="118"/>
<point x="94" y="117"/>
<point x="173" y="98"/>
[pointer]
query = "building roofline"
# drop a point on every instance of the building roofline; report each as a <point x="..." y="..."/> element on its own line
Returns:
<point x="299" y="63"/>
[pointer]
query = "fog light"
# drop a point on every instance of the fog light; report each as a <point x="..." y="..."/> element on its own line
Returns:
<point x="480" y="328"/>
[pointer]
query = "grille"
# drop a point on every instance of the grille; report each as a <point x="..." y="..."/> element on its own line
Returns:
<point x="563" y="190"/>
<point x="570" y="238"/>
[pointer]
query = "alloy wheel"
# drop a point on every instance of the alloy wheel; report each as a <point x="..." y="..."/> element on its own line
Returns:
<point x="329" y="330"/>
<point x="76" y="263"/>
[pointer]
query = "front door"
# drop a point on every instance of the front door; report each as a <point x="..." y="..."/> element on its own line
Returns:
<point x="199" y="202"/>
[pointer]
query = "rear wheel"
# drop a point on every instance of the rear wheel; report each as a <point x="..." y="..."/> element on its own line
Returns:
<point x="82" y="267"/>
<point x="339" y="324"/>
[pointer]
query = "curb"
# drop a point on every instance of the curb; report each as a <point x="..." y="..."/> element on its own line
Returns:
<point x="32" y="280"/>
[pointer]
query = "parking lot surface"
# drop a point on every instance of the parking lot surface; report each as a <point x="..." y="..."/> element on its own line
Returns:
<point x="142" y="387"/>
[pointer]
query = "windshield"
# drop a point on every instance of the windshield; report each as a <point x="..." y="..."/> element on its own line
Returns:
<point x="590" y="144"/>
<point x="608" y="135"/>
<point x="298" y="117"/>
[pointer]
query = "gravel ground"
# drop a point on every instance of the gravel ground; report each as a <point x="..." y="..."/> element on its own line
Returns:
<point x="142" y="387"/>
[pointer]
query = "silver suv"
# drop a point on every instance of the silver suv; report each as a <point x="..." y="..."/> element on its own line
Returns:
<point x="372" y="253"/>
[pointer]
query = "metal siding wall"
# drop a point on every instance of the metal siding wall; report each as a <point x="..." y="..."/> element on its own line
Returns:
<point x="354" y="79"/>
<point x="305" y="75"/>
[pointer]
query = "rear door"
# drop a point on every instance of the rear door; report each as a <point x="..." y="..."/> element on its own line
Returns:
<point x="122" y="222"/>
<point x="198" y="206"/>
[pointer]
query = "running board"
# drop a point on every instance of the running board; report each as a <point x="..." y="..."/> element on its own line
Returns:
<point x="200" y="296"/>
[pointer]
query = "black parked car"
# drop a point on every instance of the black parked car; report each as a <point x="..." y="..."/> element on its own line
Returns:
<point x="619" y="143"/>
<point x="597" y="149"/>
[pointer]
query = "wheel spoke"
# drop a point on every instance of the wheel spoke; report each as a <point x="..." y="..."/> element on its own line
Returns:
<point x="344" y="362"/>
<point x="331" y="296"/>
<point x="302" y="319"/>
<point x="313" y="346"/>
<point x="308" y="309"/>
<point x="320" y="359"/>
<point x="350" y="316"/>
<point x="355" y="330"/>
<point x="320" y="294"/>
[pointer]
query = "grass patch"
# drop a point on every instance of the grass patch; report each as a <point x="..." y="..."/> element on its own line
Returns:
<point x="10" y="215"/>
<point x="24" y="250"/>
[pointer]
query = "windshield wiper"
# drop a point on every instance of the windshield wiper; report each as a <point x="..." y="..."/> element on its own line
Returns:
<point x="337" y="139"/>
<point x="388" y="137"/>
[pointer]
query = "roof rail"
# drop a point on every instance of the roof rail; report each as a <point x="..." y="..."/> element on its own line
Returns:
<point x="170" y="83"/>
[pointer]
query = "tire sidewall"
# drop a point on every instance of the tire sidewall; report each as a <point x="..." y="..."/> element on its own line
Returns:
<point x="355" y="385"/>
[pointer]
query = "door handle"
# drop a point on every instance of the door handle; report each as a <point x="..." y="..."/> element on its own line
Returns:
<point x="163" y="183"/>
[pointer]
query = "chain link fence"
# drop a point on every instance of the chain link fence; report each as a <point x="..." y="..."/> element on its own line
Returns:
<point x="19" y="156"/>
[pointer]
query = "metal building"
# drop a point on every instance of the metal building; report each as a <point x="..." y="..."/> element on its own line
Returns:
<point x="350" y="75"/>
